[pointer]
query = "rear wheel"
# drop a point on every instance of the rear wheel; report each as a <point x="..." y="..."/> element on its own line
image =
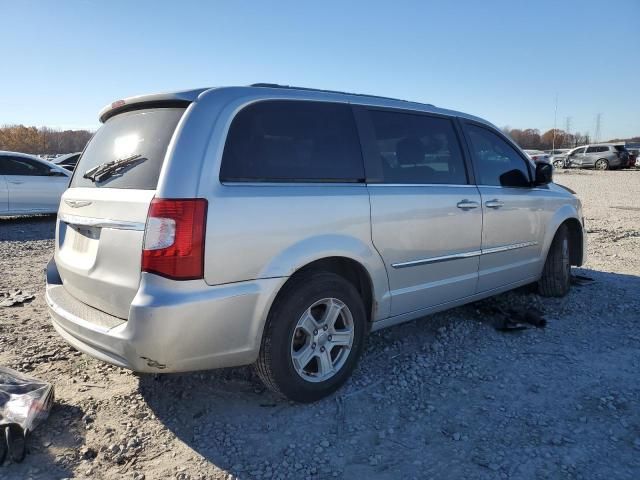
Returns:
<point x="602" y="164"/>
<point x="313" y="337"/>
<point x="556" y="276"/>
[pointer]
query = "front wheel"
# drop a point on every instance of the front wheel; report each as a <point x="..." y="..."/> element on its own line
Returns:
<point x="313" y="338"/>
<point x="556" y="275"/>
<point x="602" y="164"/>
<point x="558" y="164"/>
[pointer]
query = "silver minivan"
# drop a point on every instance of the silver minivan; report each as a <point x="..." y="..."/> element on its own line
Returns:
<point x="278" y="226"/>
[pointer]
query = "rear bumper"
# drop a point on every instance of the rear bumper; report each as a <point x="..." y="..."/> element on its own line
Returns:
<point x="172" y="326"/>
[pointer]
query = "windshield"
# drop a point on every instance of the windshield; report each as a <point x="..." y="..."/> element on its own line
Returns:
<point x="141" y="133"/>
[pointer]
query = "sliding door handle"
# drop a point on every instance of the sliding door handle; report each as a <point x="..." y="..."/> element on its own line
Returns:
<point x="495" y="203"/>
<point x="467" y="204"/>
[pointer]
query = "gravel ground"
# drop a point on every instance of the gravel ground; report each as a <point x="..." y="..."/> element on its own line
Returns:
<point x="443" y="397"/>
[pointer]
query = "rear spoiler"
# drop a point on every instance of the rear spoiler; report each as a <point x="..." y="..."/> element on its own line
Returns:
<point x="159" y="100"/>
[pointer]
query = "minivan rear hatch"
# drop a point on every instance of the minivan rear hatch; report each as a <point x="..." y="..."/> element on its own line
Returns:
<point x="102" y="216"/>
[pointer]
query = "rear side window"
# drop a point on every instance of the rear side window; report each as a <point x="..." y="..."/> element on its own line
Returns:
<point x="293" y="141"/>
<point x="143" y="133"/>
<point x="597" y="149"/>
<point x="498" y="163"/>
<point x="22" y="166"/>
<point x="417" y="149"/>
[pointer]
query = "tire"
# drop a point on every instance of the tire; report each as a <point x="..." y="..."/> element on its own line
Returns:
<point x="601" y="164"/>
<point x="556" y="275"/>
<point x="287" y="335"/>
<point x="558" y="164"/>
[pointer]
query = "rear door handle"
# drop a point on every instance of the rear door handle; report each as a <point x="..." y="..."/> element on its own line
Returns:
<point x="16" y="182"/>
<point x="467" y="204"/>
<point x="495" y="203"/>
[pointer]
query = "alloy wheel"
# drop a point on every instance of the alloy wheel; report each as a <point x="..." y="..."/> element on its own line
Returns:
<point x="322" y="340"/>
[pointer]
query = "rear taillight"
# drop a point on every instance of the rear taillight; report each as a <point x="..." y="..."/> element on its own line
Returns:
<point x="174" y="238"/>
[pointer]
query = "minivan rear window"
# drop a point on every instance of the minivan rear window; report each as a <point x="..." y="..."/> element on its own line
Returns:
<point x="143" y="134"/>
<point x="293" y="141"/>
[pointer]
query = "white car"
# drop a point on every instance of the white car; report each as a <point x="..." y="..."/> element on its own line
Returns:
<point x="29" y="184"/>
<point x="537" y="155"/>
<point x="67" y="161"/>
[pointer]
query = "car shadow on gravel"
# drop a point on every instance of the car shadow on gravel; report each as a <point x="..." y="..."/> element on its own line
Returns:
<point x="37" y="227"/>
<point x="53" y="447"/>
<point x="227" y="416"/>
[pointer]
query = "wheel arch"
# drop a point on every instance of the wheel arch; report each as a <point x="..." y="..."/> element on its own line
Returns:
<point x="342" y="254"/>
<point x="348" y="268"/>
<point x="576" y="235"/>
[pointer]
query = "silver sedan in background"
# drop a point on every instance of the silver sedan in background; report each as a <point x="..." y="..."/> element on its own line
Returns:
<point x="29" y="184"/>
<point x="537" y="155"/>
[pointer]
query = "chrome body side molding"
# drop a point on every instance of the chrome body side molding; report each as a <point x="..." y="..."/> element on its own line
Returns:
<point x="457" y="256"/>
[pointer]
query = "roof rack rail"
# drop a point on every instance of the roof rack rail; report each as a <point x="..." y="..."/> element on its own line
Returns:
<point x="291" y="87"/>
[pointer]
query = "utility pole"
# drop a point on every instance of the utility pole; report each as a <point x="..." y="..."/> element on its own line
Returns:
<point x="596" y="136"/>
<point x="567" y="128"/>
<point x="555" y="122"/>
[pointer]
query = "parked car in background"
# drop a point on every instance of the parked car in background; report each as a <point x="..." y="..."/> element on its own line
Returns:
<point x="634" y="153"/>
<point x="557" y="151"/>
<point x="599" y="156"/>
<point x="29" y="184"/>
<point x="537" y="155"/>
<point x="627" y="160"/>
<point x="279" y="226"/>
<point x="68" y="161"/>
<point x="558" y="157"/>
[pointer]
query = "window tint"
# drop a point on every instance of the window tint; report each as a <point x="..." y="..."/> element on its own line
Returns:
<point x="22" y="166"/>
<point x="288" y="140"/>
<point x="498" y="163"/>
<point x="597" y="149"/>
<point x="417" y="148"/>
<point x="141" y="132"/>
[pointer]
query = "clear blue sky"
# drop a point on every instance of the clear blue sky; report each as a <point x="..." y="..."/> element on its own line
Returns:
<point x="62" y="61"/>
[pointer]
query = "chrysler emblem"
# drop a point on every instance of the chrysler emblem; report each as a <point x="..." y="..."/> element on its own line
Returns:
<point x="77" y="203"/>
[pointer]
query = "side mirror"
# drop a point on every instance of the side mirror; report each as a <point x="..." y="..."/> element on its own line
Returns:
<point x="544" y="173"/>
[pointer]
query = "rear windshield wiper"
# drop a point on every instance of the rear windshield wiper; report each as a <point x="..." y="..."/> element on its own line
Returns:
<point x="106" y="170"/>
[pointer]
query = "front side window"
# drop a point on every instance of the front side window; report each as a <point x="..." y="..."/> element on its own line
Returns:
<point x="498" y="163"/>
<point x="417" y="149"/>
<point x="22" y="166"/>
<point x="578" y="151"/>
<point x="293" y="141"/>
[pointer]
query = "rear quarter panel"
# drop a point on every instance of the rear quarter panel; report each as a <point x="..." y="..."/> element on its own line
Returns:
<point x="267" y="231"/>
